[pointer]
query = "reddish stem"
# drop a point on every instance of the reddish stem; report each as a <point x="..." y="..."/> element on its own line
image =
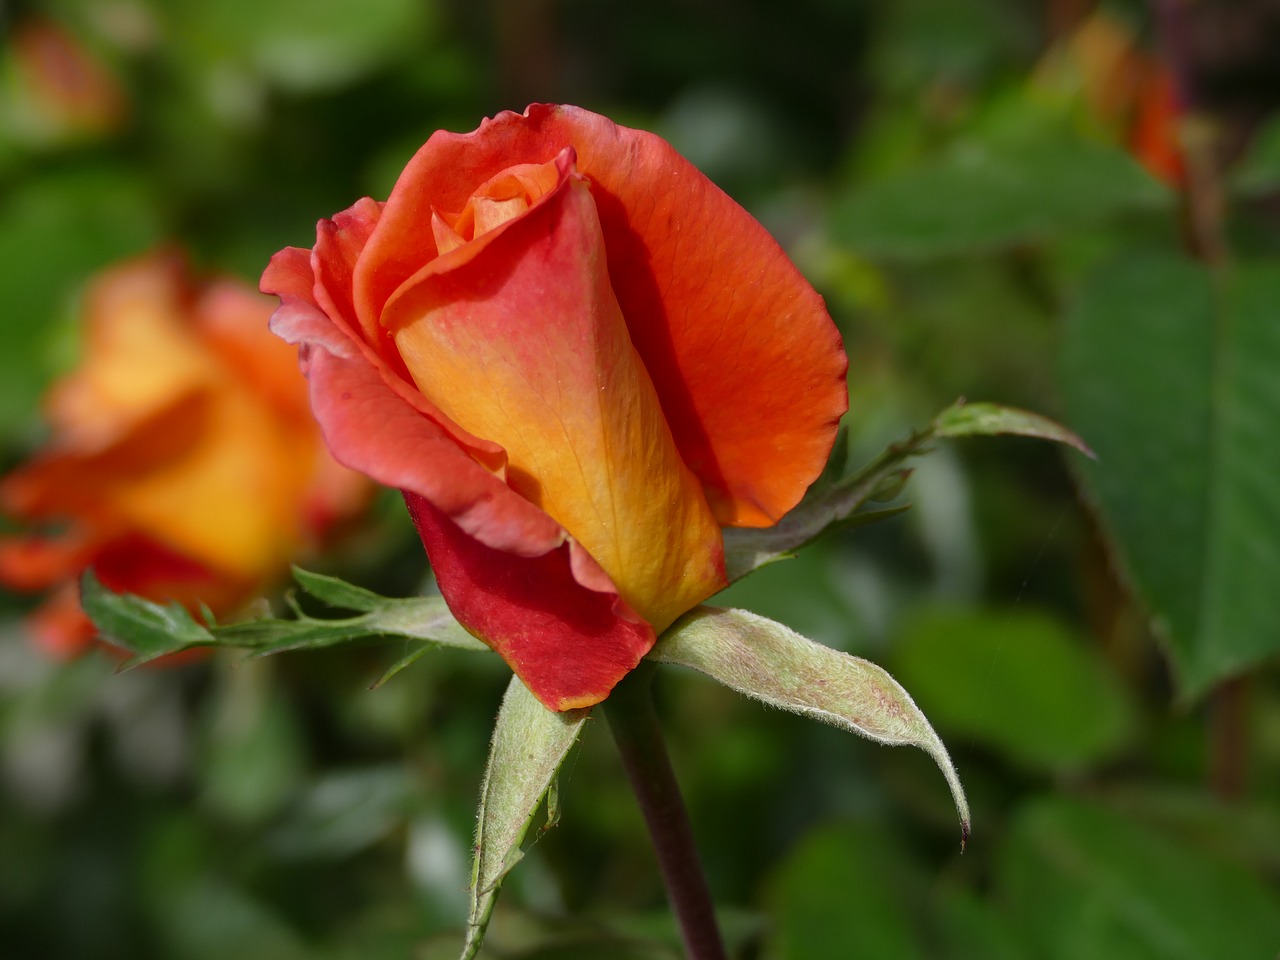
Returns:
<point x="633" y="722"/>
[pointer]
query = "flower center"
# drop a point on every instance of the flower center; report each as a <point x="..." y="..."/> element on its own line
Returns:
<point x="502" y="198"/>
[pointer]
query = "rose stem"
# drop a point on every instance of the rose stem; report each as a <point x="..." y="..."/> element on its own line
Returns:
<point x="633" y="721"/>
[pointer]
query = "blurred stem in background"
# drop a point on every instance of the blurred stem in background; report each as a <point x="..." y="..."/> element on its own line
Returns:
<point x="1203" y="216"/>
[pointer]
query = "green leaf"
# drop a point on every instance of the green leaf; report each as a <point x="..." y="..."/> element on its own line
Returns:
<point x="975" y="929"/>
<point x="209" y="918"/>
<point x="336" y="592"/>
<point x="253" y="746"/>
<point x="829" y="504"/>
<point x="343" y="812"/>
<point x="1171" y="374"/>
<point x="150" y="630"/>
<point x="408" y="660"/>
<point x="767" y="661"/>
<point x="990" y="419"/>
<point x="1090" y="884"/>
<point x="983" y="196"/>
<point x="146" y="629"/>
<point x="1016" y="681"/>
<point x="530" y="743"/>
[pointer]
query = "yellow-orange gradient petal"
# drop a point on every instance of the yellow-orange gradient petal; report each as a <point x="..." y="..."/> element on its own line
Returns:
<point x="524" y="344"/>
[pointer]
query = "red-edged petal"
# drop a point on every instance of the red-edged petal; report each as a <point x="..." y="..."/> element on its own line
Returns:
<point x="339" y="242"/>
<point x="569" y="645"/>
<point x="747" y="363"/>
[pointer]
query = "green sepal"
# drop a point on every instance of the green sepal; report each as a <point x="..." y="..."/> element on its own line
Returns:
<point x="530" y="743"/>
<point x="831" y="503"/>
<point x="770" y="662"/>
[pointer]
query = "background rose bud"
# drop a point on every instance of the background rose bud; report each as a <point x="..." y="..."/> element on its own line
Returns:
<point x="579" y="359"/>
<point x="56" y="89"/>
<point x="183" y="462"/>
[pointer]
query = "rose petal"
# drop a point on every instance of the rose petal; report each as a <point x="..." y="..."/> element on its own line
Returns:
<point x="372" y="428"/>
<point x="568" y="644"/>
<point x="229" y="321"/>
<point x="139" y="357"/>
<point x="179" y="445"/>
<point x="524" y="344"/>
<point x="338" y="245"/>
<point x="31" y="563"/>
<point x="747" y="363"/>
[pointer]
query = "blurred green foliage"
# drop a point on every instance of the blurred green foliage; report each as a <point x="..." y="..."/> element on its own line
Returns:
<point x="975" y="232"/>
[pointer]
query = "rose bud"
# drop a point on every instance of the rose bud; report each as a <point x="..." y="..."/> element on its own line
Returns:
<point x="580" y="360"/>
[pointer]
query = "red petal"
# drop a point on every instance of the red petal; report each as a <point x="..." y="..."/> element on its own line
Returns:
<point x="747" y="363"/>
<point x="569" y="645"/>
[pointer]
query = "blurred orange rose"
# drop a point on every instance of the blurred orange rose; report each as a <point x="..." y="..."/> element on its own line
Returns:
<point x="183" y="464"/>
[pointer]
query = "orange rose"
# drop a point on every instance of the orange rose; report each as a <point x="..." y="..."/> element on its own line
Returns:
<point x="184" y="463"/>
<point x="579" y="360"/>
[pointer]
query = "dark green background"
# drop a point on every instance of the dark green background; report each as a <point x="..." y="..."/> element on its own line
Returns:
<point x="975" y="235"/>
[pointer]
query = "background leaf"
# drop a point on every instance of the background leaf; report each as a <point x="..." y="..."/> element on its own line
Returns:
<point x="984" y="195"/>
<point x="846" y="884"/>
<point x="1171" y="376"/>
<point x="1090" y="883"/>
<point x="1014" y="681"/>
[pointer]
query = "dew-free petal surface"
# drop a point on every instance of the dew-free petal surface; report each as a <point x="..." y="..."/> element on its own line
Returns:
<point x="745" y="360"/>
<point x="524" y="344"/>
